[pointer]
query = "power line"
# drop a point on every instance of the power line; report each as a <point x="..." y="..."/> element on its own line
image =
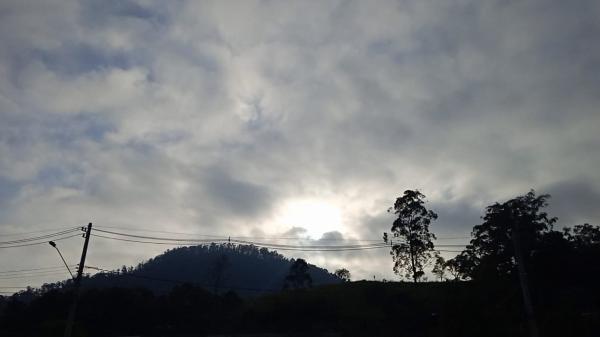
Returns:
<point x="305" y="246"/>
<point x="33" y="275"/>
<point x="34" y="232"/>
<point x="159" y="231"/>
<point x="296" y="248"/>
<point x="293" y="248"/>
<point x="40" y="272"/>
<point x="36" y="238"/>
<point x="261" y="244"/>
<point x="159" y="238"/>
<point x="151" y="242"/>
<point x="32" y="271"/>
<point x="185" y="242"/>
<point x="235" y="237"/>
<point x="40" y="243"/>
<point x="258" y="238"/>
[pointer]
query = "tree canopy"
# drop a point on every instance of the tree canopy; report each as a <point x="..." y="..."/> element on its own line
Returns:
<point x="491" y="253"/>
<point x="411" y="240"/>
<point x="298" y="277"/>
<point x="343" y="274"/>
<point x="439" y="268"/>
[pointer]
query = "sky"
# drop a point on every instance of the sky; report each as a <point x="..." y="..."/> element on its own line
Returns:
<point x="289" y="118"/>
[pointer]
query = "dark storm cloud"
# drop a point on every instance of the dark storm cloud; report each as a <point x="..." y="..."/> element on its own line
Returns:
<point x="574" y="202"/>
<point x="455" y="218"/>
<point x="235" y="197"/>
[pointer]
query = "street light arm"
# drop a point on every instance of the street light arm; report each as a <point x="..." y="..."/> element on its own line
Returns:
<point x="62" y="258"/>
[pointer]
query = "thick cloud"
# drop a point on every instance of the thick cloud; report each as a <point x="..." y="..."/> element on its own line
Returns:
<point x="574" y="202"/>
<point x="208" y="117"/>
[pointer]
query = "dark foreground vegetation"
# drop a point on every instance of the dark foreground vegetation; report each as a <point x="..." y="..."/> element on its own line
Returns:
<point x="365" y="308"/>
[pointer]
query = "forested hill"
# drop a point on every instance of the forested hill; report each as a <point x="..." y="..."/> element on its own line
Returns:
<point x="245" y="269"/>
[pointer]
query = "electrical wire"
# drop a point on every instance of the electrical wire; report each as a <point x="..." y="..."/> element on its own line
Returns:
<point x="232" y="240"/>
<point x="32" y="271"/>
<point x="40" y="272"/>
<point x="37" y="238"/>
<point x="260" y="244"/>
<point x="151" y="242"/>
<point x="34" y="232"/>
<point x="253" y="237"/>
<point x="298" y="248"/>
<point x="233" y="237"/>
<point x="158" y="231"/>
<point x="33" y="275"/>
<point x="305" y="248"/>
<point x="185" y="242"/>
<point x="40" y="243"/>
<point x="161" y="238"/>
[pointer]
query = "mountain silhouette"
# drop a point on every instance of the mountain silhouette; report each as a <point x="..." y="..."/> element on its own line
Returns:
<point x="245" y="269"/>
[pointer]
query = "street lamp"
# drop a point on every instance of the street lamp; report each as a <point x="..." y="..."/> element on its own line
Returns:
<point x="53" y="244"/>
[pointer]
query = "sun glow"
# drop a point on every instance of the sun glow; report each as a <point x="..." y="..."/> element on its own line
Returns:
<point x="316" y="216"/>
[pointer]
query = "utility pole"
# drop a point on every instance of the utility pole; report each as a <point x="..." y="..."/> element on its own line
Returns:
<point x="77" y="285"/>
<point x="533" y="330"/>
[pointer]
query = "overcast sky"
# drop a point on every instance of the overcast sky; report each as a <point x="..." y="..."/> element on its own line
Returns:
<point x="250" y="117"/>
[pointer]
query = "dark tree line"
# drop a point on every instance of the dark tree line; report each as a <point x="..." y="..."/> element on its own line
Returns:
<point x="551" y="256"/>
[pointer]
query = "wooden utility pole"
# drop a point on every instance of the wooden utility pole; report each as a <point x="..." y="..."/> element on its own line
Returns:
<point x="77" y="285"/>
<point x="533" y="330"/>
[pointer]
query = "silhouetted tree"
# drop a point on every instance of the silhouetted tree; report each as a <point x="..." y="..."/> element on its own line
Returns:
<point x="490" y="253"/>
<point x="343" y="274"/>
<point x="298" y="277"/>
<point x="583" y="236"/>
<point x="412" y="251"/>
<point x="439" y="268"/>
<point x="584" y="247"/>
<point x="452" y="267"/>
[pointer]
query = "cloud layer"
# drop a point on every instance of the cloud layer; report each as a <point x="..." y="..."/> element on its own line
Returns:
<point x="209" y="116"/>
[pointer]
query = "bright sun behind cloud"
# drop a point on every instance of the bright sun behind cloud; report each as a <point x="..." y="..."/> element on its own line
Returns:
<point x="314" y="215"/>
